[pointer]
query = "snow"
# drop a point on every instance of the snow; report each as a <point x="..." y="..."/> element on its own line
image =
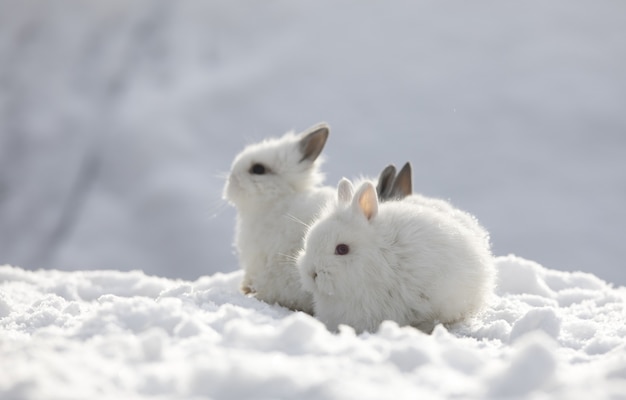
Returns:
<point x="112" y="334"/>
<point x="119" y="119"/>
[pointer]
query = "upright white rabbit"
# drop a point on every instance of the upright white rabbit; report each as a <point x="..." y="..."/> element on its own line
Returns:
<point x="275" y="186"/>
<point x="367" y="262"/>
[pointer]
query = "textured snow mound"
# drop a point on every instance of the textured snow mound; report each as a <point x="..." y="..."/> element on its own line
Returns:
<point x="112" y="334"/>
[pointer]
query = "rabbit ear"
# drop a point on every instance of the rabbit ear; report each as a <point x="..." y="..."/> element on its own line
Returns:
<point x="345" y="191"/>
<point x="402" y="184"/>
<point x="313" y="142"/>
<point x="365" y="201"/>
<point x="385" y="182"/>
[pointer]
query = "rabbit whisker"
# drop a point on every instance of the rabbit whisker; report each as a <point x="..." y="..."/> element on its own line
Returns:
<point x="289" y="259"/>
<point x="298" y="220"/>
<point x="216" y="207"/>
<point x="223" y="175"/>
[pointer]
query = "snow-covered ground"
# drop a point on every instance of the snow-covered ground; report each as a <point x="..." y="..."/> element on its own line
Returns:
<point x="127" y="335"/>
<point x="118" y="117"/>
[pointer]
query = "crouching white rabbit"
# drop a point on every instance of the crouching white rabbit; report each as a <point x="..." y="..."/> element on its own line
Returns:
<point x="276" y="187"/>
<point x="367" y="262"/>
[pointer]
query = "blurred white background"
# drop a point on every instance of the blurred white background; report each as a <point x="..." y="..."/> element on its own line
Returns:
<point x="118" y="119"/>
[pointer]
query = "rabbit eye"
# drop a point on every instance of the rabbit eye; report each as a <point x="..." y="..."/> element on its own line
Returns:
<point x="258" y="169"/>
<point x="342" y="249"/>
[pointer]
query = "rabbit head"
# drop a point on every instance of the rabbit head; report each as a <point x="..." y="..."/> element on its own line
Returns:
<point x="342" y="252"/>
<point x="277" y="167"/>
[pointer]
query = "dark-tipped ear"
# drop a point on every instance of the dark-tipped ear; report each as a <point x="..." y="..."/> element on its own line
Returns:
<point x="313" y="141"/>
<point x="365" y="201"/>
<point x="403" y="183"/>
<point x="385" y="182"/>
<point x="345" y="191"/>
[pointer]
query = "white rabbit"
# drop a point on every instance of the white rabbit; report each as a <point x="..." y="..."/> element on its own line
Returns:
<point x="275" y="186"/>
<point x="367" y="262"/>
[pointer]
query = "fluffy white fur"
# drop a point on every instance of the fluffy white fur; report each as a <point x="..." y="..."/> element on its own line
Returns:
<point x="416" y="262"/>
<point x="274" y="210"/>
<point x="441" y="206"/>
